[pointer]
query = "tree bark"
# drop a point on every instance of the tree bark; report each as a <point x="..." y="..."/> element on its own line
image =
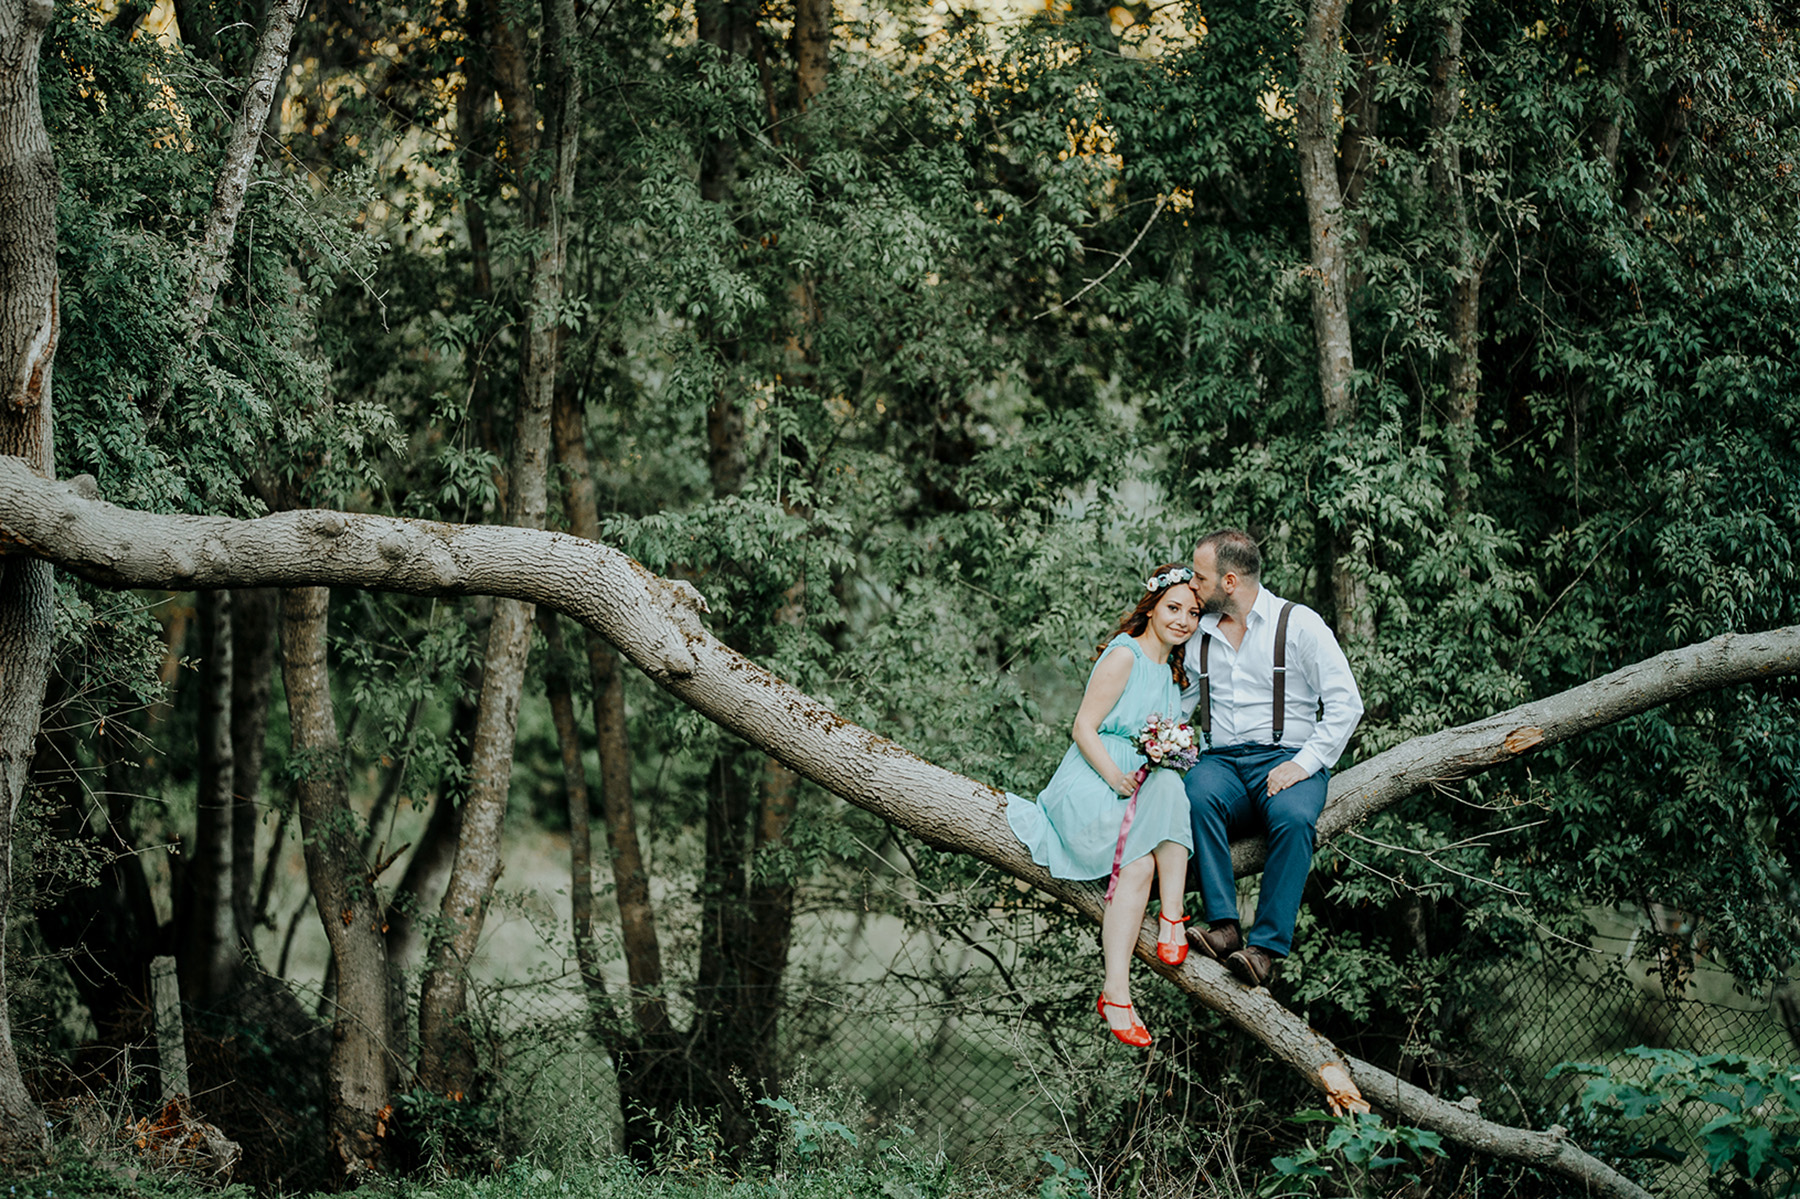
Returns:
<point x="657" y="624"/>
<point x="208" y="957"/>
<point x="28" y="327"/>
<point x="232" y="183"/>
<point x="343" y="886"/>
<point x="253" y="636"/>
<point x="1315" y="139"/>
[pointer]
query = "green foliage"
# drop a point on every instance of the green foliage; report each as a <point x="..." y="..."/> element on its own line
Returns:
<point x="1065" y="1182"/>
<point x="1751" y="1110"/>
<point x="808" y="1129"/>
<point x="1360" y="1142"/>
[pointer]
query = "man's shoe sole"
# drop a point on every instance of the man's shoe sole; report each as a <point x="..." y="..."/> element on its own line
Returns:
<point x="1243" y="966"/>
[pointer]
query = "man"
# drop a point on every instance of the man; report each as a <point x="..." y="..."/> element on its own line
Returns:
<point x="1266" y="766"/>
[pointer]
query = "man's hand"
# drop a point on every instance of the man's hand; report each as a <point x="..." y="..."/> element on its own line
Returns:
<point x="1285" y="776"/>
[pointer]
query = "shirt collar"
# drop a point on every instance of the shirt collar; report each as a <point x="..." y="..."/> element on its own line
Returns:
<point x="1265" y="605"/>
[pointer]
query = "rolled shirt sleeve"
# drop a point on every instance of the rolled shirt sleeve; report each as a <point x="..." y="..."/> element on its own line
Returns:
<point x="1327" y="673"/>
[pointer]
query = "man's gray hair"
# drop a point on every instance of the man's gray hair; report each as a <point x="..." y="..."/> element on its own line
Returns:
<point x="1235" y="552"/>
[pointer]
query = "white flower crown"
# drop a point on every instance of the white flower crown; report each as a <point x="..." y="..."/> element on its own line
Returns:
<point x="1168" y="578"/>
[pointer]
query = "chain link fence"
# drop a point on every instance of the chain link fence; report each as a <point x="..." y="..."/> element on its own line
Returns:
<point x="972" y="1066"/>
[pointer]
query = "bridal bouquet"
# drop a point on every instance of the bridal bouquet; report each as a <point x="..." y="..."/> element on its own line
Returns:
<point x="1167" y="742"/>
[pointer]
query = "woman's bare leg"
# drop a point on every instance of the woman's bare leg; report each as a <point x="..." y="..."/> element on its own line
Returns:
<point x="1119" y="934"/>
<point x="1171" y="885"/>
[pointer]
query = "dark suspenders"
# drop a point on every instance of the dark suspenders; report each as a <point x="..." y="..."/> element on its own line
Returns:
<point x="1204" y="707"/>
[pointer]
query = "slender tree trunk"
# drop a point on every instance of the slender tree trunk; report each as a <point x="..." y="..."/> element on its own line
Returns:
<point x="1315" y="138"/>
<point x="560" y="693"/>
<point x="254" y="632"/>
<point x="232" y="184"/>
<point x="427" y="872"/>
<point x="1470" y="261"/>
<point x="1366" y="39"/>
<point x="631" y="881"/>
<point x="28" y="327"/>
<point x="653" y="1066"/>
<point x="763" y="959"/>
<point x="208" y="957"/>
<point x="730" y="25"/>
<point x="446" y="1060"/>
<point x="361" y="1071"/>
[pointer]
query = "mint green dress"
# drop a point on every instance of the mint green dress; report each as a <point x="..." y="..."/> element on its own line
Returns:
<point x="1073" y="827"/>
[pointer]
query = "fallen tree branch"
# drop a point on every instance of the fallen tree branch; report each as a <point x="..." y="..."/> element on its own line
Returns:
<point x="657" y="625"/>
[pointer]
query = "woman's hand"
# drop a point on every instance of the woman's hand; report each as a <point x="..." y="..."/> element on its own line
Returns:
<point x="1125" y="786"/>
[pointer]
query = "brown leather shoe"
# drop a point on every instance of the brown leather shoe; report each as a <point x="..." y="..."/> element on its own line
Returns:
<point x="1252" y="964"/>
<point x="1216" y="943"/>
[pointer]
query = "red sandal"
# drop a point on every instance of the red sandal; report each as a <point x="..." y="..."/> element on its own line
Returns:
<point x="1136" y="1035"/>
<point x="1172" y="954"/>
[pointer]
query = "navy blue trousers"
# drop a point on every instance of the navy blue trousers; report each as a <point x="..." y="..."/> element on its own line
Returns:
<point x="1228" y="791"/>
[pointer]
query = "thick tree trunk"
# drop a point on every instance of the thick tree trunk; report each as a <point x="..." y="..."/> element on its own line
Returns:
<point x="28" y="327"/>
<point x="361" y="1071"/>
<point x="1315" y="139"/>
<point x="446" y="1060"/>
<point x="719" y="1035"/>
<point x="232" y="183"/>
<point x="812" y="49"/>
<point x="657" y="624"/>
<point x="253" y="636"/>
<point x="207" y="932"/>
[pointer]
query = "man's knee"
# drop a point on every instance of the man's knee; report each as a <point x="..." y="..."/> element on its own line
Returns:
<point x="1212" y="789"/>
<point x="1295" y="810"/>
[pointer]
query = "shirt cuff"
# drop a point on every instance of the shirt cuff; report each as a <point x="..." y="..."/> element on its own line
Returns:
<point x="1308" y="761"/>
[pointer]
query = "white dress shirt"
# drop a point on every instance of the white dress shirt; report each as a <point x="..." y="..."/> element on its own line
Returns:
<point x="1323" y="704"/>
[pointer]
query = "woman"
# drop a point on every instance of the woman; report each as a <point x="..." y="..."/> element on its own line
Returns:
<point x="1073" y="828"/>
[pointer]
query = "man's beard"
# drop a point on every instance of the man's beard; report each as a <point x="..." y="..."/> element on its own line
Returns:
<point x="1214" y="603"/>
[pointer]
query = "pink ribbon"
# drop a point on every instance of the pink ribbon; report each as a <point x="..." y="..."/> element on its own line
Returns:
<point x="1143" y="772"/>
